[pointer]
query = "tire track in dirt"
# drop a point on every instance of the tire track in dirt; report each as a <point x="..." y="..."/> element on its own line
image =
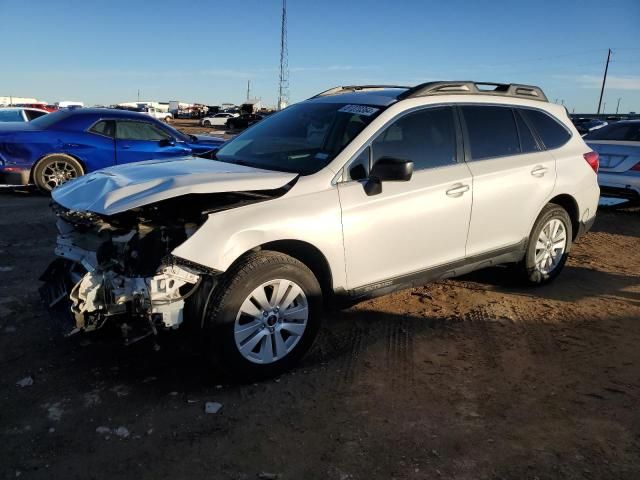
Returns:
<point x="479" y="323"/>
<point x="399" y="354"/>
<point x="357" y="341"/>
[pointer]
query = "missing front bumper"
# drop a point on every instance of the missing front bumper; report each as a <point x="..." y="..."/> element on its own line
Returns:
<point x="80" y="300"/>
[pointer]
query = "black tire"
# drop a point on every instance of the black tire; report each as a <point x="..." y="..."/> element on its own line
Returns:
<point x="236" y="286"/>
<point x="206" y="123"/>
<point x="528" y="269"/>
<point x="67" y="166"/>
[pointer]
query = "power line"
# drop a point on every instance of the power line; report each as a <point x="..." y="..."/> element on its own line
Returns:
<point x="604" y="80"/>
<point x="283" y="86"/>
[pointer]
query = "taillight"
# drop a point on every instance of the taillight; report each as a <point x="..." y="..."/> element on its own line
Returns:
<point x="593" y="159"/>
<point x="636" y="167"/>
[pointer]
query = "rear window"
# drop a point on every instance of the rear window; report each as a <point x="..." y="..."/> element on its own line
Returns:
<point x="550" y="131"/>
<point x="626" y="132"/>
<point x="492" y="131"/>
<point x="52" y="118"/>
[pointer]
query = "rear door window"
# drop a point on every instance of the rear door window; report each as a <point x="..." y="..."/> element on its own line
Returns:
<point x="550" y="131"/>
<point x="492" y="131"/>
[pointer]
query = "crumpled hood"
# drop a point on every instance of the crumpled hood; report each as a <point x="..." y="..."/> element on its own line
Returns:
<point x="117" y="189"/>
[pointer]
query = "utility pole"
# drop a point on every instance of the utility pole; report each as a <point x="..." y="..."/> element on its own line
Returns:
<point x="138" y="94"/>
<point x="618" y="106"/>
<point x="248" y="89"/>
<point x="604" y="80"/>
<point x="283" y="85"/>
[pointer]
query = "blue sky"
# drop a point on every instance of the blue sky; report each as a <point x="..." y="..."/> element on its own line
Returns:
<point x="205" y="51"/>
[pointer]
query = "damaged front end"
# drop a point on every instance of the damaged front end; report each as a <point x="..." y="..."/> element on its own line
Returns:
<point x="119" y="269"/>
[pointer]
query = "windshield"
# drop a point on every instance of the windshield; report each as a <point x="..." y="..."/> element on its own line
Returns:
<point x="11" y="116"/>
<point x="302" y="139"/>
<point x="629" y="132"/>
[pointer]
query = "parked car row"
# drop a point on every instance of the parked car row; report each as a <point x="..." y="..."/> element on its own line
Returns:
<point x="232" y="121"/>
<point x="62" y="145"/>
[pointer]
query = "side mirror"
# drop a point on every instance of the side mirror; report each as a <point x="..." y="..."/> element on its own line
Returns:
<point x="388" y="169"/>
<point x="167" y="142"/>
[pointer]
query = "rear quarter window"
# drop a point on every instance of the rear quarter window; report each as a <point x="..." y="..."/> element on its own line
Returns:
<point x="552" y="133"/>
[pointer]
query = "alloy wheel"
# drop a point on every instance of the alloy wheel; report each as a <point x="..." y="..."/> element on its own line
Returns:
<point x="58" y="172"/>
<point x="550" y="246"/>
<point x="271" y="321"/>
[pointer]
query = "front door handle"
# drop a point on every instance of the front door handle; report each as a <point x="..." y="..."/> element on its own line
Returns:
<point x="539" y="171"/>
<point x="457" y="190"/>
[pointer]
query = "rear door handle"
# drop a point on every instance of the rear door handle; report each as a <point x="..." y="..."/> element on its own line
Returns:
<point x="457" y="190"/>
<point x="539" y="171"/>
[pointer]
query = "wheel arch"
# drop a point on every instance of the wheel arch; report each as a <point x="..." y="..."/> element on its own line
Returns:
<point x="37" y="162"/>
<point x="569" y="203"/>
<point x="307" y="254"/>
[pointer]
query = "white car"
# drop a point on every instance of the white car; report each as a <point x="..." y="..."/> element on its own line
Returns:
<point x="160" y="115"/>
<point x="219" y="119"/>
<point x="356" y="192"/>
<point x="20" y="114"/>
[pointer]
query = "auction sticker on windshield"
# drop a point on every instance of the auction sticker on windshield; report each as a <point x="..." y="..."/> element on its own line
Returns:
<point x="359" y="110"/>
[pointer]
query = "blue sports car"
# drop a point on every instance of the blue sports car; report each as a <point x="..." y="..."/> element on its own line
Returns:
<point x="62" y="145"/>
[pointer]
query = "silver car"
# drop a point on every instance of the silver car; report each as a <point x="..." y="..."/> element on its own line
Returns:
<point x="618" y="145"/>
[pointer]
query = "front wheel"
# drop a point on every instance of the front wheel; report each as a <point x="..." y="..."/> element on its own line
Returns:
<point x="264" y="315"/>
<point x="54" y="170"/>
<point x="206" y="123"/>
<point x="548" y="246"/>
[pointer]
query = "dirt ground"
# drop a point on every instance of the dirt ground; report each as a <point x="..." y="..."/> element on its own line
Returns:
<point x="192" y="127"/>
<point x="461" y="379"/>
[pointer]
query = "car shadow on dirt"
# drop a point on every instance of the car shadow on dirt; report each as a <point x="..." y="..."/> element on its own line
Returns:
<point x="575" y="283"/>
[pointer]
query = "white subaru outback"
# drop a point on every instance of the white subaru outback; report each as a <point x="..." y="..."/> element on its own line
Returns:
<point x="356" y="192"/>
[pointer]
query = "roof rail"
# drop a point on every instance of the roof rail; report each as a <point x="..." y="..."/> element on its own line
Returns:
<point x="355" y="88"/>
<point x="475" y="88"/>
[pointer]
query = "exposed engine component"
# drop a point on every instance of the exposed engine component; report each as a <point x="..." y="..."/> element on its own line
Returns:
<point x="103" y="294"/>
<point x="120" y="268"/>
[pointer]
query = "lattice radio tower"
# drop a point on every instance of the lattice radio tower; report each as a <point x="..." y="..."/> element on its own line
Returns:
<point x="283" y="86"/>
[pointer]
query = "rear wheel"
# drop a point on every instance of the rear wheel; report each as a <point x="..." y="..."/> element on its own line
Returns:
<point x="548" y="246"/>
<point x="206" y="123"/>
<point x="264" y="316"/>
<point x="54" y="170"/>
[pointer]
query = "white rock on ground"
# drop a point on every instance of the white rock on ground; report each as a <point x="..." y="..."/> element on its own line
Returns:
<point x="25" y="382"/>
<point x="212" y="407"/>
